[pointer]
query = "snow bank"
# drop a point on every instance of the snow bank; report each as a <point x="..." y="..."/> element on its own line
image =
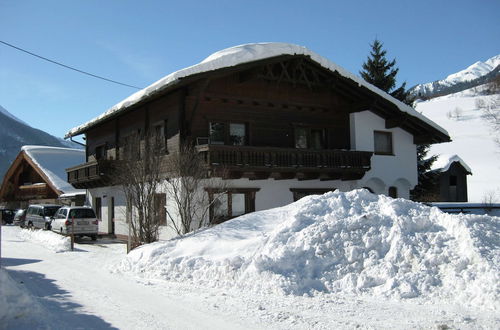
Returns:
<point x="354" y="242"/>
<point x="47" y="239"/>
<point x="18" y="309"/>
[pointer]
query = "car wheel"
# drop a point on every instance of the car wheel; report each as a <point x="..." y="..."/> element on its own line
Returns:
<point x="94" y="237"/>
<point x="47" y="226"/>
<point x="30" y="225"/>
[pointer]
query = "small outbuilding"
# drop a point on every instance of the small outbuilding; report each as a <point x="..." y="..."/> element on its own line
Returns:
<point x="452" y="178"/>
<point x="38" y="175"/>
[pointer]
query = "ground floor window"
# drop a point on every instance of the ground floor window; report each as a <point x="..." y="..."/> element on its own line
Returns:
<point x="160" y="214"/>
<point x="393" y="192"/>
<point x="298" y="193"/>
<point x="230" y="203"/>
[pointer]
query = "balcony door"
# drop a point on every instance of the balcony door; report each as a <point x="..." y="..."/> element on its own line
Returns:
<point x="228" y="133"/>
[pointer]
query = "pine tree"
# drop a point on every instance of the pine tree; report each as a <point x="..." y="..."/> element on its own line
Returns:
<point x="378" y="71"/>
<point x="426" y="189"/>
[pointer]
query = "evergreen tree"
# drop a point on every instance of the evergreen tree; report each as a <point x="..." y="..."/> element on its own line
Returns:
<point x="379" y="71"/>
<point x="426" y="189"/>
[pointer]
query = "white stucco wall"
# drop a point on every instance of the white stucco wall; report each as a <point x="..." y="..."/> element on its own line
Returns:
<point x="106" y="193"/>
<point x="399" y="170"/>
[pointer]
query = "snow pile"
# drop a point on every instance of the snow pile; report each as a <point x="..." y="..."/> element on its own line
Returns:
<point x="18" y="309"/>
<point x="354" y="242"/>
<point x="48" y="239"/>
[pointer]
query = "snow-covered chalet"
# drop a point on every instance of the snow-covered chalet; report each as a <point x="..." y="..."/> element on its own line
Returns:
<point x="38" y="175"/>
<point x="282" y="120"/>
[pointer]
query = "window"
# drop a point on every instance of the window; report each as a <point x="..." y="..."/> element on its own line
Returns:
<point x="393" y="192"/>
<point x="159" y="138"/>
<point x="100" y="152"/>
<point x="382" y="143"/>
<point x="312" y="138"/>
<point x="229" y="204"/>
<point x="237" y="134"/>
<point x="234" y="134"/>
<point x="217" y="133"/>
<point x="453" y="180"/>
<point x="160" y="214"/>
<point x="132" y="146"/>
<point x="81" y="213"/>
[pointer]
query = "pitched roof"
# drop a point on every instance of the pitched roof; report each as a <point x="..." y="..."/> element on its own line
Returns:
<point x="53" y="162"/>
<point x="444" y="161"/>
<point x="239" y="55"/>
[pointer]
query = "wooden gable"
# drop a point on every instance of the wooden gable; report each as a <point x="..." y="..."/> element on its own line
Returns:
<point x="24" y="180"/>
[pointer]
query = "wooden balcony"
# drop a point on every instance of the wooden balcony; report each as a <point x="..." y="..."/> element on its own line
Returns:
<point x="33" y="191"/>
<point x="91" y="175"/>
<point x="285" y="163"/>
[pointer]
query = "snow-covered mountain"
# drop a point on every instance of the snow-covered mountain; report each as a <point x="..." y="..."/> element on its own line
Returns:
<point x="14" y="133"/>
<point x="477" y="74"/>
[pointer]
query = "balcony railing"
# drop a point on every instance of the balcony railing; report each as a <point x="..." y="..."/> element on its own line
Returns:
<point x="269" y="159"/>
<point x="91" y="174"/>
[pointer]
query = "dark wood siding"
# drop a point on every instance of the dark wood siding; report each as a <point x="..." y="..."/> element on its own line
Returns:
<point x="271" y="110"/>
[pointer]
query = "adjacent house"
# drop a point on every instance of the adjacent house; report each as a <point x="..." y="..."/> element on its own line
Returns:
<point x="283" y="121"/>
<point x="452" y="178"/>
<point x="38" y="175"/>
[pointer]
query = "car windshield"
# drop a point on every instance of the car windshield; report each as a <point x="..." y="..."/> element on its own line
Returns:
<point x="50" y="211"/>
<point x="81" y="213"/>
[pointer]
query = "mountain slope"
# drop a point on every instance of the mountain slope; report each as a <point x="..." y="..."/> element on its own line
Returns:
<point x="477" y="74"/>
<point x="472" y="137"/>
<point x="14" y="134"/>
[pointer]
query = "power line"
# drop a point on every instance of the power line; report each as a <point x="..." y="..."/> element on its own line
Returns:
<point x="68" y="67"/>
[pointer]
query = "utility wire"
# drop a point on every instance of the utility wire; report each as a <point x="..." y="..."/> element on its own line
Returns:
<point x="68" y="67"/>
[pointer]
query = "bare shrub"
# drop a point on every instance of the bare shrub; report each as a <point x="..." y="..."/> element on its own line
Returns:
<point x="188" y="175"/>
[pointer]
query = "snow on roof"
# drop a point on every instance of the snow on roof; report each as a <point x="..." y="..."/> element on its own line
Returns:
<point x="244" y="54"/>
<point x="54" y="161"/>
<point x="444" y="161"/>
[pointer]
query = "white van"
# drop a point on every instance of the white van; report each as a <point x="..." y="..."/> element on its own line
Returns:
<point x="85" y="221"/>
<point x="40" y="215"/>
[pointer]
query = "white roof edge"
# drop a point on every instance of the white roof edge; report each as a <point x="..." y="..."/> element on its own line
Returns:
<point x="444" y="161"/>
<point x="245" y="54"/>
<point x="73" y="194"/>
<point x="35" y="147"/>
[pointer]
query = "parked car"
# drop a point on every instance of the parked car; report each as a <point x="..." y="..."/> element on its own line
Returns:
<point x="41" y="215"/>
<point x="85" y="221"/>
<point x="19" y="217"/>
<point x="7" y="216"/>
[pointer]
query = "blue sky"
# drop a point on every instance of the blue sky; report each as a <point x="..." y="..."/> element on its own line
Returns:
<point x="138" y="42"/>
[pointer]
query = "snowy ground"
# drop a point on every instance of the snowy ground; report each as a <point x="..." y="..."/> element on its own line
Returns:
<point x="447" y="259"/>
<point x="472" y="138"/>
